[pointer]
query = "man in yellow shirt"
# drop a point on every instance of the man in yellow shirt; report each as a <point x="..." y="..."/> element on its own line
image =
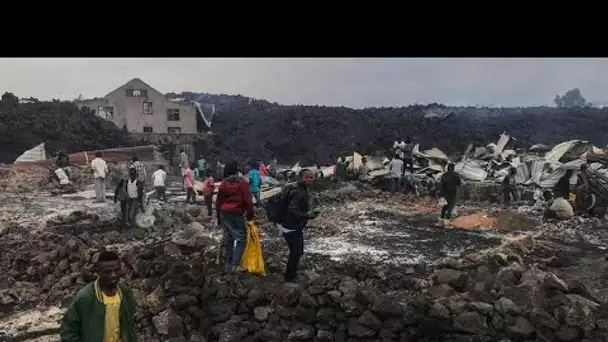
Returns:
<point x="102" y="311"/>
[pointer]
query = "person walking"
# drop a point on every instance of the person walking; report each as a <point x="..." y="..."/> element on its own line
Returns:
<point x="341" y="171"/>
<point x="407" y="152"/>
<point x="141" y="170"/>
<point x="189" y="184"/>
<point x="103" y="310"/>
<point x="562" y="187"/>
<point x="233" y="200"/>
<point x="363" y="171"/>
<point x="508" y="187"/>
<point x="130" y="192"/>
<point x="255" y="181"/>
<point x="294" y="220"/>
<point x="159" y="178"/>
<point x="450" y="183"/>
<point x="201" y="167"/>
<point x="208" y="189"/>
<point x="183" y="162"/>
<point x="398" y="147"/>
<point x="100" y="171"/>
<point x="262" y="168"/>
<point x="396" y="172"/>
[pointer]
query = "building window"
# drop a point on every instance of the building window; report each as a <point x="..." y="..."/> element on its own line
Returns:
<point x="148" y="129"/>
<point x="147" y="108"/>
<point x="174" y="130"/>
<point x="105" y="112"/>
<point x="137" y="93"/>
<point x="173" y="114"/>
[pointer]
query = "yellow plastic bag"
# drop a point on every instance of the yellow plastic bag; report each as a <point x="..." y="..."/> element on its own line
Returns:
<point x="572" y="197"/>
<point x="253" y="260"/>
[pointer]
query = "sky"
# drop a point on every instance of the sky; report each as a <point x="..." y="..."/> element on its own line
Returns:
<point x="352" y="82"/>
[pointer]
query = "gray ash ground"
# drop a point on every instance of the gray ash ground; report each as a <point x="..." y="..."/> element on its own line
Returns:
<point x="394" y="233"/>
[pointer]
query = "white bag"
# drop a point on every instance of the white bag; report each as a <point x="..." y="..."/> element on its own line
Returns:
<point x="442" y="202"/>
<point x="63" y="178"/>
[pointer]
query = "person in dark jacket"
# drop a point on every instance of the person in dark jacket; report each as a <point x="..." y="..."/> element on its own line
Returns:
<point x="562" y="188"/>
<point x="508" y="188"/>
<point x="103" y="310"/>
<point x="450" y="182"/>
<point x="130" y="193"/>
<point x="233" y="200"/>
<point x="296" y="216"/>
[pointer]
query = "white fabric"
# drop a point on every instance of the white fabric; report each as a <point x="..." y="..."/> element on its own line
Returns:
<point x="159" y="177"/>
<point x="100" y="168"/>
<point x="399" y="146"/>
<point x="132" y="189"/>
<point x="63" y="178"/>
<point x="396" y="167"/>
<point x="562" y="208"/>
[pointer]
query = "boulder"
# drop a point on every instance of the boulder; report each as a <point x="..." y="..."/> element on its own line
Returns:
<point x="471" y="322"/>
<point x="255" y="297"/>
<point x="168" y="323"/>
<point x="482" y="308"/>
<point x="528" y="295"/>
<point x="301" y="332"/>
<point x="544" y="319"/>
<point x="222" y="310"/>
<point x="325" y="335"/>
<point x="261" y="313"/>
<point x="369" y="320"/>
<point x="269" y="335"/>
<point x="551" y="281"/>
<point x="567" y="333"/>
<point x="505" y="306"/>
<point x="386" y="306"/>
<point x="439" y="311"/>
<point x="581" y="315"/>
<point x="357" y="330"/>
<point x="521" y="330"/>
<point x="325" y="314"/>
<point x="576" y="286"/>
<point x="441" y="291"/>
<point x="454" y="278"/>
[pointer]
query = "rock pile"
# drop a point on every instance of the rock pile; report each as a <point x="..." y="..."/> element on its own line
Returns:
<point x="495" y="297"/>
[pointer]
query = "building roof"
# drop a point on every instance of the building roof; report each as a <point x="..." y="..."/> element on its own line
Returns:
<point x="135" y="80"/>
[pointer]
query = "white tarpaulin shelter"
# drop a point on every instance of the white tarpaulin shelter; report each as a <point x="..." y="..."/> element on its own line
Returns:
<point x="35" y="154"/>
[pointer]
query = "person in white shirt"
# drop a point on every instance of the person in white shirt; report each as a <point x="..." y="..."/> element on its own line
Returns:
<point x="399" y="146"/>
<point x="396" y="173"/>
<point x="158" y="177"/>
<point x="183" y="162"/>
<point x="100" y="171"/>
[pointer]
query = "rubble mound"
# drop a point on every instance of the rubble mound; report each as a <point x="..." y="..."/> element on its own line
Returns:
<point x="316" y="134"/>
<point x="60" y="124"/>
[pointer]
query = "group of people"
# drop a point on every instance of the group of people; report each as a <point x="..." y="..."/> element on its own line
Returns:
<point x="234" y="205"/>
<point x="104" y="309"/>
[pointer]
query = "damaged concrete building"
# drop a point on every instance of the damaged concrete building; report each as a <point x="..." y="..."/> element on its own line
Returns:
<point x="139" y="108"/>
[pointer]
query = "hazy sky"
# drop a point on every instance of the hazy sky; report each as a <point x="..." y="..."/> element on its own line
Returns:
<point x="352" y="82"/>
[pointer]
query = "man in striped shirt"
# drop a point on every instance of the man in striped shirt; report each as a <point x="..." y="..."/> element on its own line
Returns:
<point x="141" y="170"/>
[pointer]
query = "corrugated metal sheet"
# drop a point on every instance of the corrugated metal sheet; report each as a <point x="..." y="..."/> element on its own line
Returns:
<point x="471" y="170"/>
<point x="35" y="154"/>
<point x="559" y="150"/>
